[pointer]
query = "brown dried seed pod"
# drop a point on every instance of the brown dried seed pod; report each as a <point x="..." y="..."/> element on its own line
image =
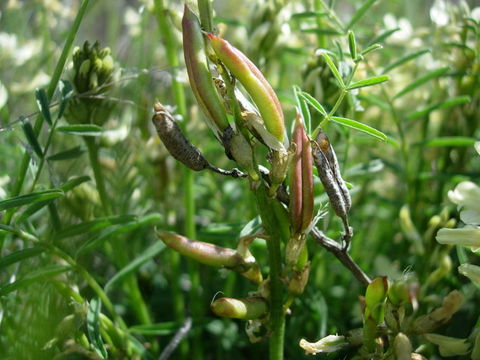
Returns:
<point x="332" y="188"/>
<point x="327" y="149"/>
<point x="179" y="147"/>
<point x="175" y="141"/>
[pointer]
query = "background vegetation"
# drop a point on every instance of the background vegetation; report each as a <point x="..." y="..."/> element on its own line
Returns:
<point x="92" y="237"/>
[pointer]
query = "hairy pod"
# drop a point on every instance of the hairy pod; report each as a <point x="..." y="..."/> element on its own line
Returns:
<point x="175" y="141"/>
<point x="243" y="308"/>
<point x="199" y="74"/>
<point x="255" y="84"/>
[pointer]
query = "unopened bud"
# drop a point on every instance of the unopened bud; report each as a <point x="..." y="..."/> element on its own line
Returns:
<point x="299" y="281"/>
<point x="84" y="68"/>
<point x="375" y="298"/>
<point x="398" y="293"/>
<point x="402" y="347"/>
<point x="243" y="308"/>
<point x="410" y="230"/>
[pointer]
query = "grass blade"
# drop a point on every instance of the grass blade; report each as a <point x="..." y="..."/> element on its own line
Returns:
<point x="308" y="14"/>
<point x="69" y="154"/>
<point x="369" y="82"/>
<point x="371" y="48"/>
<point x="384" y="35"/>
<point x="34" y="276"/>
<point x="159" y="329"/>
<point x="313" y="102"/>
<point x="360" y="127"/>
<point x="30" y="198"/>
<point x="133" y="266"/>
<point x="303" y="108"/>
<point x="95" y="225"/>
<point x="20" y="255"/>
<point x="321" y="31"/>
<point x="74" y="182"/>
<point x="451" y="141"/>
<point x="459" y="100"/>
<point x="422" y="80"/>
<point x="333" y="69"/>
<point x="405" y="59"/>
<point x="93" y="327"/>
<point x="32" y="138"/>
<point x="81" y="129"/>
<point x="360" y="12"/>
<point x="98" y="240"/>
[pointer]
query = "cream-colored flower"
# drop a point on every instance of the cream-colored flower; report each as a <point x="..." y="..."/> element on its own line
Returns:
<point x="466" y="236"/>
<point x="328" y="344"/>
<point x="449" y="346"/>
<point x="470" y="271"/>
<point x="466" y="195"/>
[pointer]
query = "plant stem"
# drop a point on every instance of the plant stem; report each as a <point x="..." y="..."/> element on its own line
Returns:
<point x="205" y="9"/>
<point x="276" y="311"/>
<point x="97" y="173"/>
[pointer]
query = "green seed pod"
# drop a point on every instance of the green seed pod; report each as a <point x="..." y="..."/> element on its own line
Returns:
<point x="255" y="84"/>
<point x="402" y="347"/>
<point x="243" y="308"/>
<point x="199" y="74"/>
<point x="203" y="252"/>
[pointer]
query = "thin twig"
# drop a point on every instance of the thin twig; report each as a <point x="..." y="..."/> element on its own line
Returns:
<point x="173" y="344"/>
<point x="341" y="254"/>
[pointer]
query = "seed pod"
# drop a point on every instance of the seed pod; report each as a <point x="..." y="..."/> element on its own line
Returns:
<point x="329" y="174"/>
<point x="301" y="181"/>
<point x="255" y="84"/>
<point x="327" y="149"/>
<point x="243" y="308"/>
<point x="203" y="252"/>
<point x="199" y="74"/>
<point x="180" y="148"/>
<point x="175" y="141"/>
<point x="299" y="281"/>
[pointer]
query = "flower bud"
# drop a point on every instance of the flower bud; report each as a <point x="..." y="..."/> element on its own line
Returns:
<point x="84" y="68"/>
<point x="199" y="74"/>
<point x="255" y="84"/>
<point x="398" y="293"/>
<point x="299" y="281"/>
<point x="470" y="271"/>
<point x="243" y="308"/>
<point x="402" y="347"/>
<point x="410" y="230"/>
<point x="375" y="299"/>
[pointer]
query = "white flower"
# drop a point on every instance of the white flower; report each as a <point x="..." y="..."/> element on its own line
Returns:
<point x="467" y="195"/>
<point x="449" y="346"/>
<point x="406" y="31"/>
<point x="470" y="271"/>
<point x="330" y="343"/>
<point x="438" y="13"/>
<point x="466" y="236"/>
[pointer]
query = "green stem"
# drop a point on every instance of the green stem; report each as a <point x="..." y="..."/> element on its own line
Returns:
<point x="277" y="314"/>
<point x="206" y="14"/>
<point x="97" y="173"/>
